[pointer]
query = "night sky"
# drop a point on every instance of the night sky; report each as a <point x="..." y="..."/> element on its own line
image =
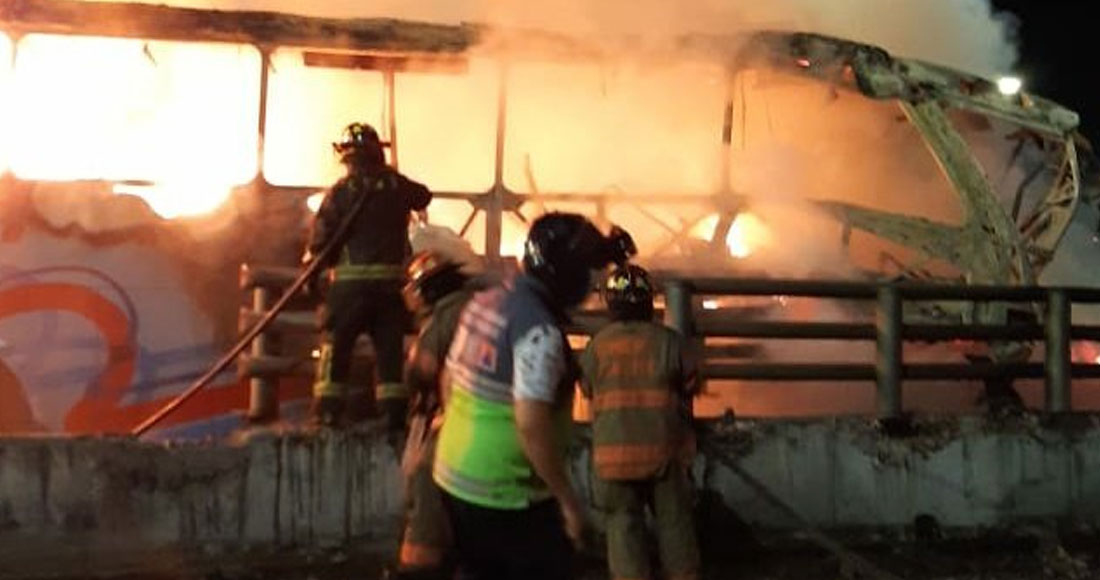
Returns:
<point x="1057" y="54"/>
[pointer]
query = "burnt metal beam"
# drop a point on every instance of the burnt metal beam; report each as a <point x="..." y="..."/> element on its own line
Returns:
<point x="390" y="63"/>
<point x="931" y="238"/>
<point x="875" y="73"/>
<point x="1044" y="228"/>
<point x="990" y="248"/>
<point x="127" y="20"/>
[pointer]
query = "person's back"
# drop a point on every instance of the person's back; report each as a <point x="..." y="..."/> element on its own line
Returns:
<point x="368" y="267"/>
<point x="437" y="291"/>
<point x="500" y="328"/>
<point x="501" y="459"/>
<point x="380" y="233"/>
<point x="640" y="380"/>
<point x="635" y="375"/>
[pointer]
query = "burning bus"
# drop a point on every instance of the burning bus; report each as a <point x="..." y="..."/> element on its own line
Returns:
<point x="147" y="152"/>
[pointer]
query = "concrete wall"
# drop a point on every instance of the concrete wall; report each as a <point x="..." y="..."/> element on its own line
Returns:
<point x="115" y="503"/>
<point x="103" y="504"/>
<point x="967" y="473"/>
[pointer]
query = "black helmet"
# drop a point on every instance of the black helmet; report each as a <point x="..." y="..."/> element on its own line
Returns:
<point x="360" y="144"/>
<point x="431" y="276"/>
<point x="563" y="248"/>
<point x="628" y="293"/>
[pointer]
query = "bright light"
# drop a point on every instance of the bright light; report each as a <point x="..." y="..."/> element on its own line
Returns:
<point x="176" y="200"/>
<point x="315" y="353"/>
<point x="1009" y="85"/>
<point x="313" y="202"/>
<point x="710" y="305"/>
<point x="1097" y="361"/>
<point x="514" y="248"/>
<point x="746" y="235"/>
<point x="5" y="95"/>
<point x="179" y="116"/>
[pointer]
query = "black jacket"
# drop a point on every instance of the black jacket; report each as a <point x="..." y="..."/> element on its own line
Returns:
<point x="380" y="235"/>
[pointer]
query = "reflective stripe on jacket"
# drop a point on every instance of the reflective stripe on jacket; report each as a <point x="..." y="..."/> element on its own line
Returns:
<point x="367" y="272"/>
<point x="635" y="374"/>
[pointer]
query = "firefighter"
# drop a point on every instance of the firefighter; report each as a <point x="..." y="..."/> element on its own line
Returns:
<point x="501" y="456"/>
<point x="640" y="381"/>
<point x="366" y="273"/>
<point x="436" y="291"/>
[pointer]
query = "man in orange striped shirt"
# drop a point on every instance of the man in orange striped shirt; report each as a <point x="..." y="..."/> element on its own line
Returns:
<point x="641" y="382"/>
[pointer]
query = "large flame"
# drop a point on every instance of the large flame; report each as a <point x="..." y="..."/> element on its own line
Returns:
<point x="746" y="236"/>
<point x="180" y="116"/>
<point x="1086" y="352"/>
<point x="5" y="94"/>
<point x="183" y="117"/>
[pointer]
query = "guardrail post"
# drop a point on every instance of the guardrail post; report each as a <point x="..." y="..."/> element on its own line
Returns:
<point x="888" y="357"/>
<point x="678" y="316"/>
<point x="678" y="307"/>
<point x="262" y="397"/>
<point x="1058" y="370"/>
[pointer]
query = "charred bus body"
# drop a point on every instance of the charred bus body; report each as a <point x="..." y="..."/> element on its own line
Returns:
<point x="783" y="154"/>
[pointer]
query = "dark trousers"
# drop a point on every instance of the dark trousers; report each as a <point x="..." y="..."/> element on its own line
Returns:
<point x="353" y="307"/>
<point x="495" y="544"/>
<point x="624" y="503"/>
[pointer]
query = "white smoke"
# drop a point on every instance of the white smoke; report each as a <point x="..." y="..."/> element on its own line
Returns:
<point x="965" y="34"/>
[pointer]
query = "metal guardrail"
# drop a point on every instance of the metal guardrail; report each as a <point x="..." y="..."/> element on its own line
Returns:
<point x="681" y="311"/>
<point x="890" y="331"/>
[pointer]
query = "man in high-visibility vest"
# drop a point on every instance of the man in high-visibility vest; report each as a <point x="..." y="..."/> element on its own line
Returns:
<point x="501" y="456"/>
<point x="367" y="274"/>
<point x="640" y="380"/>
<point x="436" y="292"/>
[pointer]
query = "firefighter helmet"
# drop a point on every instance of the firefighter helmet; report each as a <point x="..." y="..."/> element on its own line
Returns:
<point x="628" y="293"/>
<point x="360" y="143"/>
<point x="561" y="251"/>
<point x="431" y="276"/>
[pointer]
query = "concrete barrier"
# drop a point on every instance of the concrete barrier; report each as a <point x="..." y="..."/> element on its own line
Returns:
<point x="119" y="504"/>
<point x="971" y="474"/>
<point x="115" y="504"/>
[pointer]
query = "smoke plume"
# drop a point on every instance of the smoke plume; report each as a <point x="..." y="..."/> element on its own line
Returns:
<point x="965" y="34"/>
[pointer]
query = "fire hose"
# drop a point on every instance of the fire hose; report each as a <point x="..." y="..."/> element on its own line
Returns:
<point x="227" y="359"/>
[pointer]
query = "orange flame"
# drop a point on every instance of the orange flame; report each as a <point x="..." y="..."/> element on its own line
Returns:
<point x="746" y="236"/>
<point x="1086" y="352"/>
<point x="184" y="117"/>
<point x="178" y="115"/>
<point x="5" y="93"/>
